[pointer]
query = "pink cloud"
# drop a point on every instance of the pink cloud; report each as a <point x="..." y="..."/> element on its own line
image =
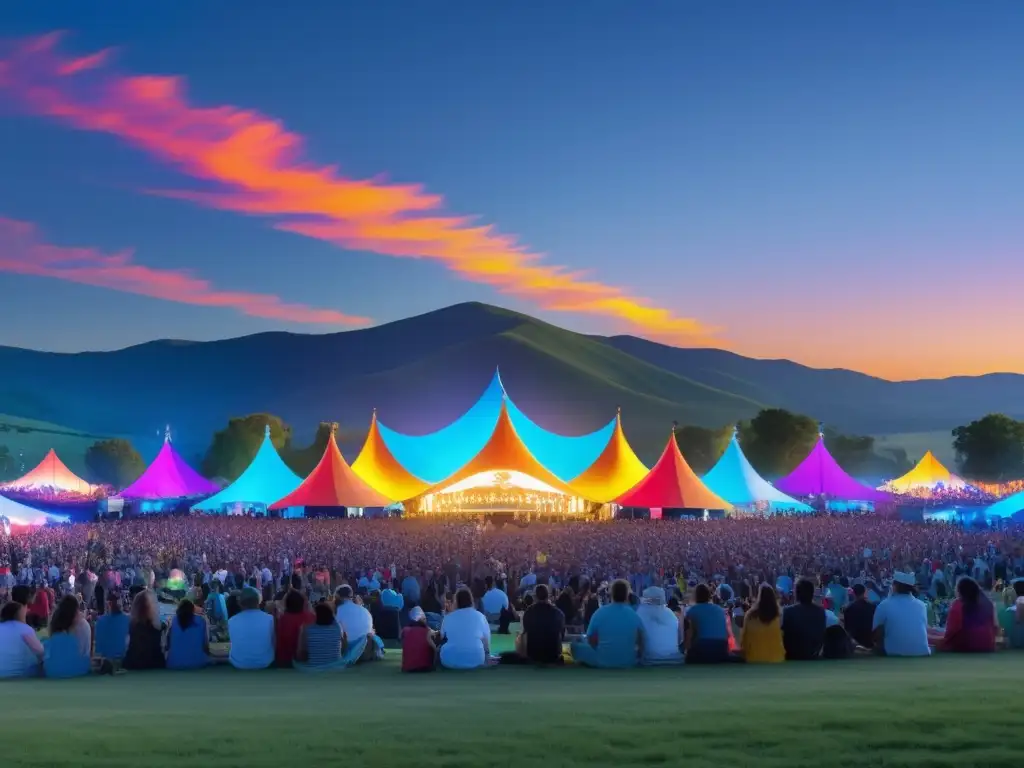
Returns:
<point x="258" y="167"/>
<point x="23" y="252"/>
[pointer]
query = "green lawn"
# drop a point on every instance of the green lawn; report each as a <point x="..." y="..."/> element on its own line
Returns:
<point x="931" y="712"/>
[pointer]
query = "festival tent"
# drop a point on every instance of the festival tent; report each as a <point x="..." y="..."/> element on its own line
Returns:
<point x="820" y="475"/>
<point x="927" y="475"/>
<point x="736" y="481"/>
<point x="671" y="484"/>
<point x="379" y="469"/>
<point x="614" y="472"/>
<point x="332" y="483"/>
<point x="265" y="480"/>
<point x="22" y="514"/>
<point x="1007" y="507"/>
<point x="169" y="477"/>
<point x="51" y="473"/>
<point x="437" y="455"/>
<point x="504" y="451"/>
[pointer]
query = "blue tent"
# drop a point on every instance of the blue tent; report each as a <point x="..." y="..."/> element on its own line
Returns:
<point x="264" y="481"/>
<point x="1007" y="507"/>
<point x="737" y="482"/>
<point x="438" y="455"/>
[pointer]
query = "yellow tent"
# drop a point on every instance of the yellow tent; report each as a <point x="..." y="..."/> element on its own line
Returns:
<point x="614" y="472"/>
<point x="927" y="475"/>
<point x="377" y="467"/>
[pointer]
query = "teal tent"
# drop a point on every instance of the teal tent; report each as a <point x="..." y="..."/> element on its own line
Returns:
<point x="264" y="481"/>
<point x="736" y="481"/>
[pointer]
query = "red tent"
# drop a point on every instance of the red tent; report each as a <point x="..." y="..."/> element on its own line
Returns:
<point x="672" y="484"/>
<point x="332" y="483"/>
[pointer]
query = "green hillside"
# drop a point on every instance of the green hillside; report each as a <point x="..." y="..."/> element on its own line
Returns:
<point x="28" y="440"/>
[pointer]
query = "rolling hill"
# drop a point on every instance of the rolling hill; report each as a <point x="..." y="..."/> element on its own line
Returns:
<point x="423" y="371"/>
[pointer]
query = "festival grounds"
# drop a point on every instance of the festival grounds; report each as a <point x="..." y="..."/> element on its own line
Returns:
<point x="956" y="711"/>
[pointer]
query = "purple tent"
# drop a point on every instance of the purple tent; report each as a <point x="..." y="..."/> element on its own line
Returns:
<point x="820" y="475"/>
<point x="169" y="477"/>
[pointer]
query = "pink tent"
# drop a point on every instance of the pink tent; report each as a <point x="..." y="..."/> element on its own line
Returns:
<point x="820" y="475"/>
<point x="169" y="477"/>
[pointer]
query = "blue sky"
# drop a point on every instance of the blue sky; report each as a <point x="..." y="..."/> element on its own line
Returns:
<point x="837" y="183"/>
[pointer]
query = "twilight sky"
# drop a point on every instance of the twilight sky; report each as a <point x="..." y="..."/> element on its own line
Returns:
<point x="841" y="184"/>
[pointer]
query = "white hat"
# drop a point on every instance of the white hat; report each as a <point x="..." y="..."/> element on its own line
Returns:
<point x="653" y="596"/>
<point x="907" y="579"/>
<point x="416" y="614"/>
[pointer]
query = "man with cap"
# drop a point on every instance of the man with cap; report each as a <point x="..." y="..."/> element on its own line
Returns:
<point x="900" y="624"/>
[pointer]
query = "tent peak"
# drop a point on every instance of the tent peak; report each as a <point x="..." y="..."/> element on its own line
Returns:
<point x="167" y="433"/>
<point x="266" y="431"/>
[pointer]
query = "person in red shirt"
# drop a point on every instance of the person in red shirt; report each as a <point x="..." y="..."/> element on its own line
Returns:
<point x="419" y="649"/>
<point x="289" y="624"/>
<point x="40" y="608"/>
<point x="971" y="623"/>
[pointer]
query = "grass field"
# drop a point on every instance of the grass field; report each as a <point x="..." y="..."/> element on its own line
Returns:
<point x="863" y="712"/>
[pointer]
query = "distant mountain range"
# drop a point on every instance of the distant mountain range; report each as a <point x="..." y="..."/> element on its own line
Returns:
<point x="424" y="371"/>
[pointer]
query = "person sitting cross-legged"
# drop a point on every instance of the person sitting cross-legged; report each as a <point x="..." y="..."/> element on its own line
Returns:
<point x="466" y="635"/>
<point x="321" y="644"/>
<point x="615" y="636"/>
<point x="188" y="641"/>
<point x="68" y="649"/>
<point x="663" y="632"/>
<point x="362" y="643"/>
<point x="761" y="636"/>
<point x="112" y="630"/>
<point x="901" y="620"/>
<point x="707" y="630"/>
<point x="419" y="649"/>
<point x="21" y="653"/>
<point x="543" y="631"/>
<point x="251" y="632"/>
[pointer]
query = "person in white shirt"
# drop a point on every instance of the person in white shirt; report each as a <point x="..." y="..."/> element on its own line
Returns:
<point x="467" y="637"/>
<point x="21" y="653"/>
<point x="252" y="634"/>
<point x="663" y="632"/>
<point x="360" y="641"/>
<point x="901" y="620"/>
<point x="494" y="601"/>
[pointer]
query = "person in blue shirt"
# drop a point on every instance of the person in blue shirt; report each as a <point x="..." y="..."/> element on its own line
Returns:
<point x="707" y="631"/>
<point x="411" y="591"/>
<point x="391" y="599"/>
<point x="615" y="636"/>
<point x="111" y="635"/>
<point x="188" y="642"/>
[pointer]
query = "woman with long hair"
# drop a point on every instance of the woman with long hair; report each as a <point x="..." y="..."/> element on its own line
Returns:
<point x="321" y="643"/>
<point x="188" y="641"/>
<point x="761" y="637"/>
<point x="145" y="633"/>
<point x="69" y="648"/>
<point x="971" y="623"/>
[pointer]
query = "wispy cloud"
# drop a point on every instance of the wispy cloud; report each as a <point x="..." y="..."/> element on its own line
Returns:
<point x="258" y="167"/>
<point x="24" y="252"/>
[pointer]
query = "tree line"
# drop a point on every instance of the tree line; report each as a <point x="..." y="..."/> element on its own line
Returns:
<point x="990" y="449"/>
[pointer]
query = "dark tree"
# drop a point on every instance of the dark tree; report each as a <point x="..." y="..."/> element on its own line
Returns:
<point x="303" y="460"/>
<point x="702" y="447"/>
<point x="991" y="449"/>
<point x="776" y="440"/>
<point x="114" y="462"/>
<point x="234" y="447"/>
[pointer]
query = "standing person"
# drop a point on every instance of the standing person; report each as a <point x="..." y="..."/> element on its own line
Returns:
<point x="466" y="634"/>
<point x="761" y="636"/>
<point x="615" y="637"/>
<point x="901" y="620"/>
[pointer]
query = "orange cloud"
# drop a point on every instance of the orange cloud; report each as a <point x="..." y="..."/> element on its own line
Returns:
<point x="258" y="168"/>
<point x="23" y="252"/>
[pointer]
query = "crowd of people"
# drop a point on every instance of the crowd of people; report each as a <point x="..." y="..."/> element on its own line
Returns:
<point x="183" y="592"/>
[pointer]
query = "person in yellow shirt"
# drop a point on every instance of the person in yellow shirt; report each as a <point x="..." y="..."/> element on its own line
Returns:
<point x="761" y="638"/>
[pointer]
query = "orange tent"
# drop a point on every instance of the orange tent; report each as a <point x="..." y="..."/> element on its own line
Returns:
<point x="504" y="450"/>
<point x="672" y="484"/>
<point x="379" y="468"/>
<point x="332" y="483"/>
<point x="614" y="472"/>
<point x="51" y="473"/>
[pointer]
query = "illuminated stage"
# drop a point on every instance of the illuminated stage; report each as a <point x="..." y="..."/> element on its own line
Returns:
<point x="503" y="493"/>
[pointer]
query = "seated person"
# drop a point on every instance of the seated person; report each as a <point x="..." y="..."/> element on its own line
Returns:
<point x="707" y="630"/>
<point x="803" y="625"/>
<point x="188" y="642"/>
<point x="69" y="647"/>
<point x="21" y="653"/>
<point x="543" y="630"/>
<point x="971" y="623"/>
<point x="1011" y="619"/>
<point x="145" y="634"/>
<point x="419" y="649"/>
<point x="112" y="630"/>
<point x="251" y="632"/>
<point x="362" y="643"/>
<point x="466" y="635"/>
<point x="859" y="616"/>
<point x="901" y="620"/>
<point x="663" y="634"/>
<point x="615" y="636"/>
<point x="290" y="621"/>
<point x="761" y="636"/>
<point x="321" y="644"/>
<point x="495" y="604"/>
